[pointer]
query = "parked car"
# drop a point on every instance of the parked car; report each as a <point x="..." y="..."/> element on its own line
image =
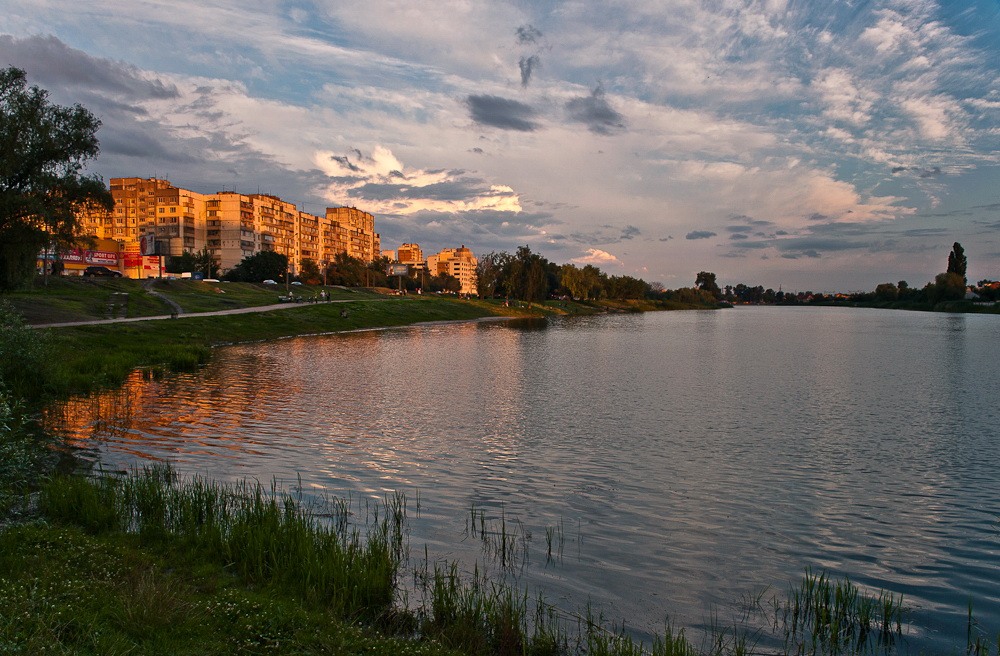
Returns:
<point x="269" y="282"/>
<point x="101" y="271"/>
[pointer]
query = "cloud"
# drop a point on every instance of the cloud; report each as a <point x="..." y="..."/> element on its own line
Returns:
<point x="51" y="63"/>
<point x="597" y="257"/>
<point x="527" y="34"/>
<point x="527" y="66"/>
<point x="502" y="113"/>
<point x="628" y="232"/>
<point x="385" y="184"/>
<point x="699" y="234"/>
<point x="596" y="113"/>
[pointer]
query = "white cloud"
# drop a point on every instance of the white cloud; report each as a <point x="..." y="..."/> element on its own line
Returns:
<point x="596" y="257"/>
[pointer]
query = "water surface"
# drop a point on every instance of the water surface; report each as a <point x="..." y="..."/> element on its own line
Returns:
<point x="685" y="458"/>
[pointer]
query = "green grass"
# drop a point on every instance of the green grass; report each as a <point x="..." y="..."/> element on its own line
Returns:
<point x="79" y="299"/>
<point x="200" y="296"/>
<point x="94" y="356"/>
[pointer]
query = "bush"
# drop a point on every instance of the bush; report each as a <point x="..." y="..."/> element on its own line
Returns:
<point x="24" y="360"/>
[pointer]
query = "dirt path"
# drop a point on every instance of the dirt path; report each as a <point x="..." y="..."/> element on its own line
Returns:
<point x="175" y="308"/>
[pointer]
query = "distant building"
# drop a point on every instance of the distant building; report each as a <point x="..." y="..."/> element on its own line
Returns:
<point x="229" y="224"/>
<point x="410" y="254"/>
<point x="457" y="262"/>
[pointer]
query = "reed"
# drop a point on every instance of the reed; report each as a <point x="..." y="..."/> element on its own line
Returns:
<point x="829" y="616"/>
<point x="262" y="534"/>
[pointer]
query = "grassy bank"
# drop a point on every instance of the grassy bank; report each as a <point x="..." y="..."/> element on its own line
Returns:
<point x="102" y="355"/>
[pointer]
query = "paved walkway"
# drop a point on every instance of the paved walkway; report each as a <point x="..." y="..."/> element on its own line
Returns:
<point x="214" y="313"/>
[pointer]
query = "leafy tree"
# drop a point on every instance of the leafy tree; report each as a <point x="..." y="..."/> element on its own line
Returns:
<point x="445" y="282"/>
<point x="626" y="287"/>
<point x="957" y="262"/>
<point x="946" y="287"/>
<point x="260" y="266"/>
<point x="489" y="273"/>
<point x="886" y="292"/>
<point x="43" y="150"/>
<point x="205" y="262"/>
<point x="309" y="272"/>
<point x="527" y="276"/>
<point x="183" y="263"/>
<point x="706" y="280"/>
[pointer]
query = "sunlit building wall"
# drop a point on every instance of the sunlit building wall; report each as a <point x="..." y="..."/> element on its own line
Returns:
<point x="357" y="230"/>
<point x="410" y="254"/>
<point x="229" y="224"/>
<point x="457" y="262"/>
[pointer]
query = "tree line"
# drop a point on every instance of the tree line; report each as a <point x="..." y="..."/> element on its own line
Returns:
<point x="948" y="287"/>
<point x="528" y="276"/>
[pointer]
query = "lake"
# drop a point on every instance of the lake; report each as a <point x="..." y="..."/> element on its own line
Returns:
<point x="657" y="465"/>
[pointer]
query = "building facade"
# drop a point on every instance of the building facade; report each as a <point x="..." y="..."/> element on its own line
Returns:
<point x="230" y="225"/>
<point x="457" y="262"/>
<point x="410" y="254"/>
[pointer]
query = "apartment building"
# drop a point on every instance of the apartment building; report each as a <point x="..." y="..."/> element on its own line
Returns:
<point x="230" y="225"/>
<point x="458" y="262"/>
<point x="410" y="254"/>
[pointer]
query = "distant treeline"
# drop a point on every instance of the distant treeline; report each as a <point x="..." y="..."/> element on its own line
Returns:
<point x="949" y="291"/>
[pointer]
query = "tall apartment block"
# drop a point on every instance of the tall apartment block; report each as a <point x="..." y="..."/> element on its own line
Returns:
<point x="410" y="254"/>
<point x="229" y="224"/>
<point x="458" y="262"/>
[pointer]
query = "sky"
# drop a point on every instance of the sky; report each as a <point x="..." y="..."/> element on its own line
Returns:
<point x="795" y="144"/>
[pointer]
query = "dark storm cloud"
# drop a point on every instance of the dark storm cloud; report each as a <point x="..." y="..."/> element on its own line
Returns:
<point x="739" y="228"/>
<point x="527" y="66"/>
<point x="52" y="64"/>
<point x="816" y="216"/>
<point x="502" y="113"/>
<point x="699" y="234"/>
<point x="596" y="113"/>
<point x="527" y="34"/>
<point x="739" y="235"/>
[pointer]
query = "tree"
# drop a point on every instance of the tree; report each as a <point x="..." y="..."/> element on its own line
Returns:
<point x="706" y="280"/>
<point x="527" y="276"/>
<point x="182" y="263"/>
<point x="43" y="150"/>
<point x="205" y="262"/>
<point x="886" y="292"/>
<point x="265" y="265"/>
<point x="946" y="287"/>
<point x="309" y="272"/>
<point x="957" y="262"/>
<point x="489" y="271"/>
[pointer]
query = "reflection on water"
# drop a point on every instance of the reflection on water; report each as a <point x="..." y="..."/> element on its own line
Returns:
<point x="686" y="458"/>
